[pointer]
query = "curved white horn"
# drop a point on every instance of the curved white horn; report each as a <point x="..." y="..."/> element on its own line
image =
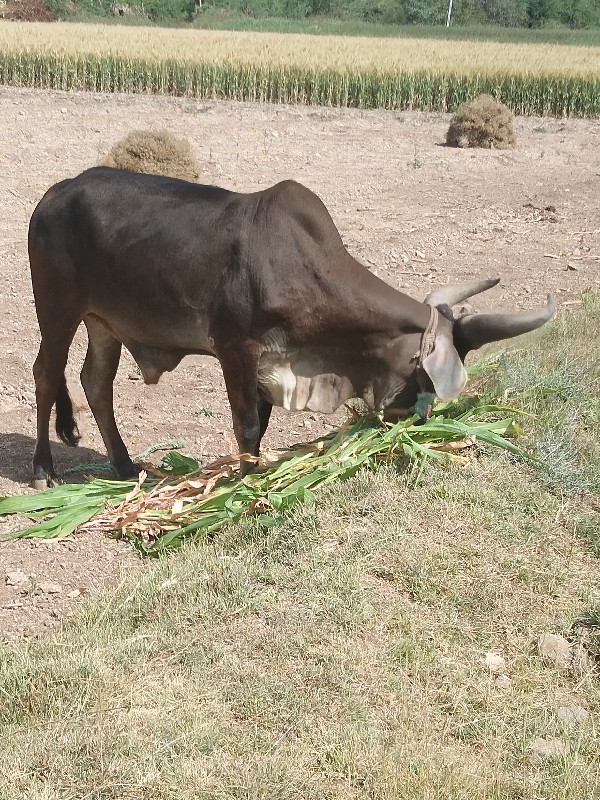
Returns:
<point x="451" y="295"/>
<point x="476" y="330"/>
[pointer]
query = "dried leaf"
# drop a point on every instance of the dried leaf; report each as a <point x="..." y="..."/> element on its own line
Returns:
<point x="141" y="478"/>
<point x="449" y="447"/>
<point x="260" y="506"/>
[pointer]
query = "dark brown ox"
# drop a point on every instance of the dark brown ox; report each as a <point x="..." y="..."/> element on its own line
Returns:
<point x="261" y="281"/>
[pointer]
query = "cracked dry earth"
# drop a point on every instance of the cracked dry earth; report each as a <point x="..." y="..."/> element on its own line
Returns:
<point x="415" y="212"/>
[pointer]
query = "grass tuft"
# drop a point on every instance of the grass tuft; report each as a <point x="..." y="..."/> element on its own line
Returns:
<point x="557" y="379"/>
<point x="483" y="122"/>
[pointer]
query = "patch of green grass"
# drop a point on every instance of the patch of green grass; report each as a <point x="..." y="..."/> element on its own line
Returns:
<point x="557" y="378"/>
<point x="213" y="19"/>
<point x="203" y="410"/>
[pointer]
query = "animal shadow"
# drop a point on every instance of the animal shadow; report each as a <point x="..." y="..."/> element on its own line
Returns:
<point x="16" y="453"/>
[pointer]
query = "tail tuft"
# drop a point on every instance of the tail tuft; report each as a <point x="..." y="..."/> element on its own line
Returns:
<point x="66" y="427"/>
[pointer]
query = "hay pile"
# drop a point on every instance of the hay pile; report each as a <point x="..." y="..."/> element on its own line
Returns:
<point x="156" y="153"/>
<point x="483" y="122"/>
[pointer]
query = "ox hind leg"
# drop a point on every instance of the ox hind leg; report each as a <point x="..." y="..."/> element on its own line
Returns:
<point x="250" y="412"/>
<point x="51" y="388"/>
<point x="97" y="376"/>
<point x="264" y="408"/>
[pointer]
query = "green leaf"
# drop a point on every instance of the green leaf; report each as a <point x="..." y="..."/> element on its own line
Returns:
<point x="266" y="520"/>
<point x="60" y="525"/>
<point x="178" y="464"/>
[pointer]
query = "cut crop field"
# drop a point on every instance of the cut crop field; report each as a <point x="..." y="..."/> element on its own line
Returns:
<point x="556" y="80"/>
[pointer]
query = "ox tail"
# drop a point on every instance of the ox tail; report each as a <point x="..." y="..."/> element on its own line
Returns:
<point x="66" y="427"/>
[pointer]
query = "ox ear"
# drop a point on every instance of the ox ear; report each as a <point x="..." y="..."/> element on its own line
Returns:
<point x="445" y="369"/>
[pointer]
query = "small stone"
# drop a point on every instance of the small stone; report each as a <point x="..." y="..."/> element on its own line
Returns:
<point x="495" y="663"/>
<point x="73" y="593"/>
<point x="16" y="578"/>
<point x="50" y="588"/>
<point x="573" y="716"/>
<point x="545" y="749"/>
<point x="555" y="650"/>
<point x="580" y="658"/>
<point x="419" y="254"/>
<point x="502" y="682"/>
<point x="571" y="266"/>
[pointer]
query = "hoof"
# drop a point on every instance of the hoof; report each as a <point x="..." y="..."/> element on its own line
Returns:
<point x="246" y="469"/>
<point x="41" y="484"/>
<point x="127" y="472"/>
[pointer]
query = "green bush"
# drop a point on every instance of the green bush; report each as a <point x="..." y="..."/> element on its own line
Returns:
<point x="169" y="9"/>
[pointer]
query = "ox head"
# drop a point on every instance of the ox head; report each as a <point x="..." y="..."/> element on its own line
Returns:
<point x="439" y="365"/>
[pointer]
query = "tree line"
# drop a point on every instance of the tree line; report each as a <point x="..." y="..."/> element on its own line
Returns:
<point x="507" y="13"/>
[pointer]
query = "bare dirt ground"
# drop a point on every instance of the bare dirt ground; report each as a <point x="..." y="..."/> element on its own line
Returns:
<point x="415" y="212"/>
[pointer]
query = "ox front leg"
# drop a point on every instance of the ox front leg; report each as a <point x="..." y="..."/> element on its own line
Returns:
<point x="97" y="376"/>
<point x="250" y="412"/>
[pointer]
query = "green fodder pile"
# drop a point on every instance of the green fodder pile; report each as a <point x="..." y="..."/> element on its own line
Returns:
<point x="156" y="153"/>
<point x="483" y="122"/>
